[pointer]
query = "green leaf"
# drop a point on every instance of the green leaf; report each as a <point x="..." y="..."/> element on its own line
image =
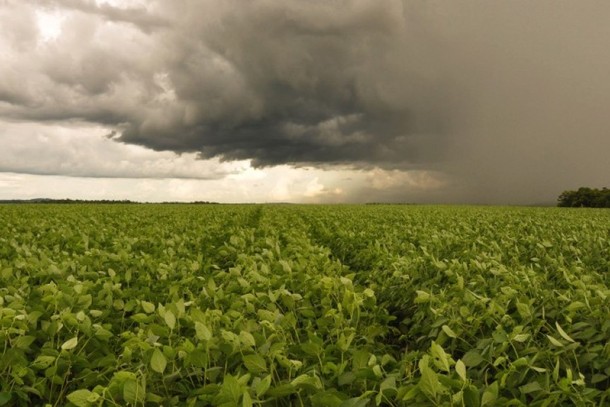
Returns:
<point x="203" y="332"/>
<point x="158" y="361"/>
<point x="246" y="400"/>
<point x="521" y="337"/>
<point x="103" y="334"/>
<point x="263" y="386"/>
<point x="24" y="342"/>
<point x="460" y="369"/>
<point x="428" y="383"/>
<point x="457" y="399"/>
<point x="355" y="402"/>
<point x="123" y="376"/>
<point x="70" y="344"/>
<point x="522" y="361"/>
<point x="471" y="397"/>
<point x="5" y="397"/>
<point x="576" y="305"/>
<point x="154" y="398"/>
<point x="247" y="339"/>
<point x="377" y="371"/>
<point x="596" y="378"/>
<point x="95" y="313"/>
<point x="368" y="293"/>
<point x="386" y="358"/>
<point x="198" y="358"/>
<point x="255" y="364"/>
<point x="563" y="333"/>
<point x="500" y="360"/>
<point x="524" y="310"/>
<point x="131" y="392"/>
<point x="411" y="393"/>
<point x="490" y="395"/>
<point x="83" y="398"/>
<point x="530" y="388"/>
<point x="472" y="358"/>
<point x="42" y="362"/>
<point x="148" y="307"/>
<point x="230" y="391"/>
<point x="328" y="398"/>
<point x="448" y="331"/>
<point x="555" y="341"/>
<point x="389" y="383"/>
<point x="305" y="380"/>
<point x="439" y="354"/>
<point x="387" y="389"/>
<point x="422" y="297"/>
<point x="170" y="319"/>
<point x="556" y="371"/>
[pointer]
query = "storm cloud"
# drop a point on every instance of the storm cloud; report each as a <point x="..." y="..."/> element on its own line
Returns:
<point x="275" y="82"/>
<point x="507" y="99"/>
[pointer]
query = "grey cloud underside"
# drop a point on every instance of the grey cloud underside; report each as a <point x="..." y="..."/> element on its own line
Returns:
<point x="365" y="142"/>
<point x="509" y="98"/>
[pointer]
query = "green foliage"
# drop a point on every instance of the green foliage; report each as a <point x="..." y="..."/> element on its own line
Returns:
<point x="303" y="305"/>
<point x="585" y="197"/>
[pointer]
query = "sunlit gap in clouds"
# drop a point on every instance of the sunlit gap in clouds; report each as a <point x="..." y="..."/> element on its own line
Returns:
<point x="122" y="3"/>
<point x="49" y="24"/>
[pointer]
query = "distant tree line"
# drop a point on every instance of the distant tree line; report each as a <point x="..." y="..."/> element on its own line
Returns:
<point x="585" y="197"/>
<point x="67" y="201"/>
<point x="95" y="201"/>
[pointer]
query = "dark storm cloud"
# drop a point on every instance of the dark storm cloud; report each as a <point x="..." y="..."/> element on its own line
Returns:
<point x="290" y="82"/>
<point x="509" y="98"/>
<point x="294" y="82"/>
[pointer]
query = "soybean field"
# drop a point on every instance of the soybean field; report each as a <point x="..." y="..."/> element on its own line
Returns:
<point x="296" y="305"/>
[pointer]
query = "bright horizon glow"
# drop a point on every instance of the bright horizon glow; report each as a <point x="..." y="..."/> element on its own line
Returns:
<point x="81" y="162"/>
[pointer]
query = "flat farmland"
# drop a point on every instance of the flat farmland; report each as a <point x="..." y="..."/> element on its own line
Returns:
<point x="282" y="305"/>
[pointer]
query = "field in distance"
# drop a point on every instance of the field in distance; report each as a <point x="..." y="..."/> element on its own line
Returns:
<point x="282" y="305"/>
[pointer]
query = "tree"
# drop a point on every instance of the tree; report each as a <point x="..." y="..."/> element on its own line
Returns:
<point x="585" y="197"/>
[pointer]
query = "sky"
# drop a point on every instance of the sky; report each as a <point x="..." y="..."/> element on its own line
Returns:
<point x="313" y="101"/>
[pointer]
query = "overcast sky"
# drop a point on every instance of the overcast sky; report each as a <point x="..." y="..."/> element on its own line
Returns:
<point x="455" y="101"/>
